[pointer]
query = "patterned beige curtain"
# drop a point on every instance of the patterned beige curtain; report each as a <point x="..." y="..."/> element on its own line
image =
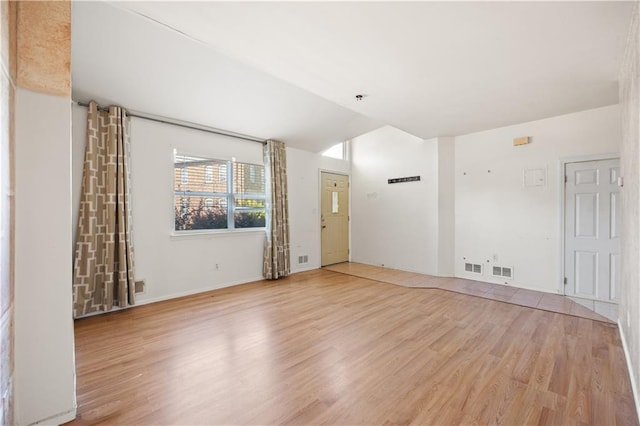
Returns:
<point x="276" y="247"/>
<point x="103" y="260"/>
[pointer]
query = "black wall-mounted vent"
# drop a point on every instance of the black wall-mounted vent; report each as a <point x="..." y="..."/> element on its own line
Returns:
<point x="404" y="179"/>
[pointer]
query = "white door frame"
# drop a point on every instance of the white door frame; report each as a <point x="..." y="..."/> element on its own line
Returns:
<point x="562" y="163"/>
<point x="319" y="216"/>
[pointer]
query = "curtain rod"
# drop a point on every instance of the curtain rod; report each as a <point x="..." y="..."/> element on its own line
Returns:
<point x="184" y="124"/>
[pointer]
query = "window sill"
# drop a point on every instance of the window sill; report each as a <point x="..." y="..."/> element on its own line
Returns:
<point x="215" y="233"/>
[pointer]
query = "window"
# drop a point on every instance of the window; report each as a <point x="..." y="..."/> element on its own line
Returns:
<point x="218" y="194"/>
<point x="338" y="151"/>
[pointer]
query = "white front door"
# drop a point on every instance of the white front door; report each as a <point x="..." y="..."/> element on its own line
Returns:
<point x="592" y="230"/>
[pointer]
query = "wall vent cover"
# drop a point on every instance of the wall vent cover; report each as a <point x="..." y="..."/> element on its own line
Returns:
<point x="474" y="268"/>
<point x="139" y="286"/>
<point x="503" y="271"/>
<point x="303" y="259"/>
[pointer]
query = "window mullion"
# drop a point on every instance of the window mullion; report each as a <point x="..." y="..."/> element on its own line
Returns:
<point x="231" y="205"/>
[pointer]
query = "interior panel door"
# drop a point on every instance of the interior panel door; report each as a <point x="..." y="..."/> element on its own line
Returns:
<point x="592" y="237"/>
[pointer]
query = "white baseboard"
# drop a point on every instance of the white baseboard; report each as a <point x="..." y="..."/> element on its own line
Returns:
<point x="196" y="291"/>
<point x="190" y="292"/>
<point x="632" y="376"/>
<point x="58" y="419"/>
<point x="308" y="268"/>
<point x="210" y="288"/>
<point x="415" y="271"/>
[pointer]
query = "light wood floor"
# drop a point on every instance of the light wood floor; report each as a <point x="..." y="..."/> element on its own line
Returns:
<point x="503" y="293"/>
<point x="324" y="347"/>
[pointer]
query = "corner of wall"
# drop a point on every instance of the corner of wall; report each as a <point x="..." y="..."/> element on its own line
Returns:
<point x="7" y="142"/>
<point x="629" y="310"/>
<point x="446" y="206"/>
<point x="44" y="377"/>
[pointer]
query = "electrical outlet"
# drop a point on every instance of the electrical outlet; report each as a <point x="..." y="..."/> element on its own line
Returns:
<point x="217" y="267"/>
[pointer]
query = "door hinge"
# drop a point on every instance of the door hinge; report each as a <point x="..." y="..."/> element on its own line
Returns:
<point x="566" y="178"/>
<point x="565" y="280"/>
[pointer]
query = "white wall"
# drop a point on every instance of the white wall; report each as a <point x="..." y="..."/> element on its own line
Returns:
<point x="44" y="346"/>
<point x="395" y="225"/>
<point x="497" y="221"/>
<point x="304" y="203"/>
<point x="629" y="319"/>
<point x="446" y="205"/>
<point x="178" y="265"/>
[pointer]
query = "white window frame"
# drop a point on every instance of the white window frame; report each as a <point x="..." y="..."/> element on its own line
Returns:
<point x="229" y="196"/>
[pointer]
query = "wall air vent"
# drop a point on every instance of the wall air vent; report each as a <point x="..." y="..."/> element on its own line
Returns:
<point x="140" y="286"/>
<point x="474" y="268"/>
<point x="303" y="259"/>
<point x="503" y="271"/>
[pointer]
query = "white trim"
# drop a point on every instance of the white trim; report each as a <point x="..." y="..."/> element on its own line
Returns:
<point x="306" y="269"/>
<point x="562" y="164"/>
<point x="632" y="376"/>
<point x="561" y="194"/>
<point x="175" y="296"/>
<point x="58" y="419"/>
<point x="416" y="271"/>
<point x="485" y="279"/>
<point x="192" y="292"/>
<point x="341" y="173"/>
<point x="195" y="233"/>
<point x="611" y="302"/>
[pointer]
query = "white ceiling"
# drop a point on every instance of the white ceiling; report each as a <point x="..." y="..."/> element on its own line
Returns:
<point x="120" y="58"/>
<point x="290" y="70"/>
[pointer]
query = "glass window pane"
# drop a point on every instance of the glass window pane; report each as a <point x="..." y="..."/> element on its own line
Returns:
<point x="336" y="151"/>
<point x="250" y="219"/>
<point x="248" y="178"/>
<point x="195" y="212"/>
<point x="196" y="174"/>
